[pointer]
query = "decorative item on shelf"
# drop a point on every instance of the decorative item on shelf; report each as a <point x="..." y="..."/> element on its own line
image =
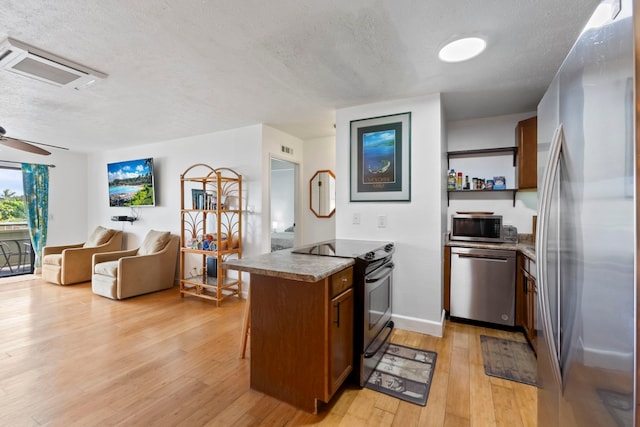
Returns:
<point x="208" y="244"/>
<point x="499" y="183"/>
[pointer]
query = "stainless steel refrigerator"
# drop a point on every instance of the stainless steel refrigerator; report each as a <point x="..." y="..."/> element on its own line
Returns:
<point x="586" y="241"/>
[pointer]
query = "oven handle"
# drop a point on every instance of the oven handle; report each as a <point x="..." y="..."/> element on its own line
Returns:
<point x="378" y="277"/>
<point x="368" y="355"/>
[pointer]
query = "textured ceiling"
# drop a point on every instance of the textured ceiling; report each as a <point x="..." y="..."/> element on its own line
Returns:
<point x="189" y="67"/>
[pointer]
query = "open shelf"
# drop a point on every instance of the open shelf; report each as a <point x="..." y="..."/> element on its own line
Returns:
<point x="479" y="153"/>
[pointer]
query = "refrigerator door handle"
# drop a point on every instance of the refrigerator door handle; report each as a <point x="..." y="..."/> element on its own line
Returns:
<point x="551" y="170"/>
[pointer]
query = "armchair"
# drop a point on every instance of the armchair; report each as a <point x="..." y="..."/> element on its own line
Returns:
<point x="69" y="264"/>
<point x="149" y="268"/>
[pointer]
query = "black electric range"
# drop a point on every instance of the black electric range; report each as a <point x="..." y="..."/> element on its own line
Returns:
<point x="372" y="280"/>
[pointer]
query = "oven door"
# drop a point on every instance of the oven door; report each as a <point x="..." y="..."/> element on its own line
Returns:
<point x="377" y="318"/>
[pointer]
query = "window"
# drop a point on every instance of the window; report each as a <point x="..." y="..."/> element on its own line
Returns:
<point x="12" y="208"/>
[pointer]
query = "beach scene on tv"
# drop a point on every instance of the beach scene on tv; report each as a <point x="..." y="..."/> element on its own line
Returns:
<point x="131" y="183"/>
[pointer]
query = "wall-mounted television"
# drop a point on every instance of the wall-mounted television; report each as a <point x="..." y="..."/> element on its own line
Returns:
<point x="131" y="183"/>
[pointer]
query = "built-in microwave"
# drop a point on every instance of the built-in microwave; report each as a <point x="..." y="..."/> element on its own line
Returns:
<point x="476" y="228"/>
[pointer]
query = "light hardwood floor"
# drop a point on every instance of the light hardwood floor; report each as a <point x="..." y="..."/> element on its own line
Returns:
<point x="71" y="358"/>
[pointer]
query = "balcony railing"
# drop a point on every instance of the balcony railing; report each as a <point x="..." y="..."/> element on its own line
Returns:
<point x="16" y="253"/>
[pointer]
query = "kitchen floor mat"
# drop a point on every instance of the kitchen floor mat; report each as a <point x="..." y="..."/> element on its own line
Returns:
<point x="404" y="373"/>
<point x="511" y="360"/>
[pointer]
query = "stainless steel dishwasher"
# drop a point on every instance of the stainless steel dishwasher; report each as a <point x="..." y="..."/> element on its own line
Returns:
<point x="483" y="285"/>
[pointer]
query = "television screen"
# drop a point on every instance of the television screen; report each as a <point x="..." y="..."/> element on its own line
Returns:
<point x="131" y="183"/>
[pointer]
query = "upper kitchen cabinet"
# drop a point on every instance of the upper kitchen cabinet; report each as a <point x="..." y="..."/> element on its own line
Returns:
<point x="527" y="138"/>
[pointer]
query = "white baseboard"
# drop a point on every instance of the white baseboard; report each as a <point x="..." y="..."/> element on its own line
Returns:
<point x="422" y="326"/>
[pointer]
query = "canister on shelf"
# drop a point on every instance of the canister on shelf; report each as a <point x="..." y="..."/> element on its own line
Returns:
<point x="499" y="183"/>
<point x="451" y="180"/>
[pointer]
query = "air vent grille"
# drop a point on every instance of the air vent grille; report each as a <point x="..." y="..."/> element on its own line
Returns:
<point x="45" y="71"/>
<point x="28" y="61"/>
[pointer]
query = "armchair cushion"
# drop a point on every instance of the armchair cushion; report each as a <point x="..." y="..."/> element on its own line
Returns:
<point x="53" y="259"/>
<point x="154" y="242"/>
<point x="109" y="268"/>
<point x="99" y="237"/>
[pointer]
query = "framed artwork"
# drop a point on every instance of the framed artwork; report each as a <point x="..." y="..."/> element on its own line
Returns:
<point x="381" y="159"/>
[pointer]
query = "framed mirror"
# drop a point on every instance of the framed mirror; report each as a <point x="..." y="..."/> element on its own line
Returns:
<point x="322" y="194"/>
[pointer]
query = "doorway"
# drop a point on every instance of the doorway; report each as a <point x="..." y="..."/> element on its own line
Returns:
<point x="16" y="256"/>
<point x="284" y="202"/>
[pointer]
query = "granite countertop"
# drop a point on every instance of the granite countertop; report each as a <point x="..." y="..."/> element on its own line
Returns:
<point x="306" y="268"/>
<point x="525" y="245"/>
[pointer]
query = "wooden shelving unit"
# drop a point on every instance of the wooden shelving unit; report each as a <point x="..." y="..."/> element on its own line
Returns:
<point x="211" y="231"/>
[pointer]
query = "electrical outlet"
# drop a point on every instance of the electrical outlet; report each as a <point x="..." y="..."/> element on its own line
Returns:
<point x="382" y="221"/>
<point x="356" y="218"/>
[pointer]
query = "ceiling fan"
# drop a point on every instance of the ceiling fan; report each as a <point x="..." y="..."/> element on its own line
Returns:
<point x="24" y="145"/>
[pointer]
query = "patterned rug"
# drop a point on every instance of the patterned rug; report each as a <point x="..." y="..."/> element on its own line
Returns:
<point x="405" y="373"/>
<point x="511" y="360"/>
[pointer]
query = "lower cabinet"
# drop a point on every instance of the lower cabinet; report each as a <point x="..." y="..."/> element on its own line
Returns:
<point x="340" y="339"/>
<point x="301" y="337"/>
<point x="527" y="298"/>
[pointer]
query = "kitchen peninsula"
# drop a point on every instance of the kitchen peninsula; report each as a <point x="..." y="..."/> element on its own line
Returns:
<point x="301" y="325"/>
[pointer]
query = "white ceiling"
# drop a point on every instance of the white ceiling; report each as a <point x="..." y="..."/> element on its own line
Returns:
<point x="190" y="67"/>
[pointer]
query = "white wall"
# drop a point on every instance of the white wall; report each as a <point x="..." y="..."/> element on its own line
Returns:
<point x="67" y="190"/>
<point x="238" y="149"/>
<point x="490" y="132"/>
<point x="319" y="154"/>
<point x="415" y="226"/>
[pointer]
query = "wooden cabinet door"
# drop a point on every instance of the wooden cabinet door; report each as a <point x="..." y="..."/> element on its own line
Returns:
<point x="447" y="278"/>
<point x="531" y="312"/>
<point x="340" y="339"/>
<point x="521" y="296"/>
<point x="527" y="135"/>
<point x="529" y="320"/>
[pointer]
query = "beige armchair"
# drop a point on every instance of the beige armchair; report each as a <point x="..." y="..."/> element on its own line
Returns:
<point x="69" y="264"/>
<point x="150" y="268"/>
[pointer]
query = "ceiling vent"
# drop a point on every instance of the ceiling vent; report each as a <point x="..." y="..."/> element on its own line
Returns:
<point x="29" y="61"/>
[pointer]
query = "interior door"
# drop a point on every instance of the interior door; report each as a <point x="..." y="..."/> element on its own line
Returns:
<point x="284" y="202"/>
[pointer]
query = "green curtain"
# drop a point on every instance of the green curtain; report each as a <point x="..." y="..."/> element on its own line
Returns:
<point x="35" y="181"/>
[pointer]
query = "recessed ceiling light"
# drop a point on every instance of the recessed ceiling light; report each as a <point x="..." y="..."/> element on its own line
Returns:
<point x="462" y="49"/>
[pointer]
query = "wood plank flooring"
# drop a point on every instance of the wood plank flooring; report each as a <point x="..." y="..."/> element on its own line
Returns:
<point x="72" y="358"/>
